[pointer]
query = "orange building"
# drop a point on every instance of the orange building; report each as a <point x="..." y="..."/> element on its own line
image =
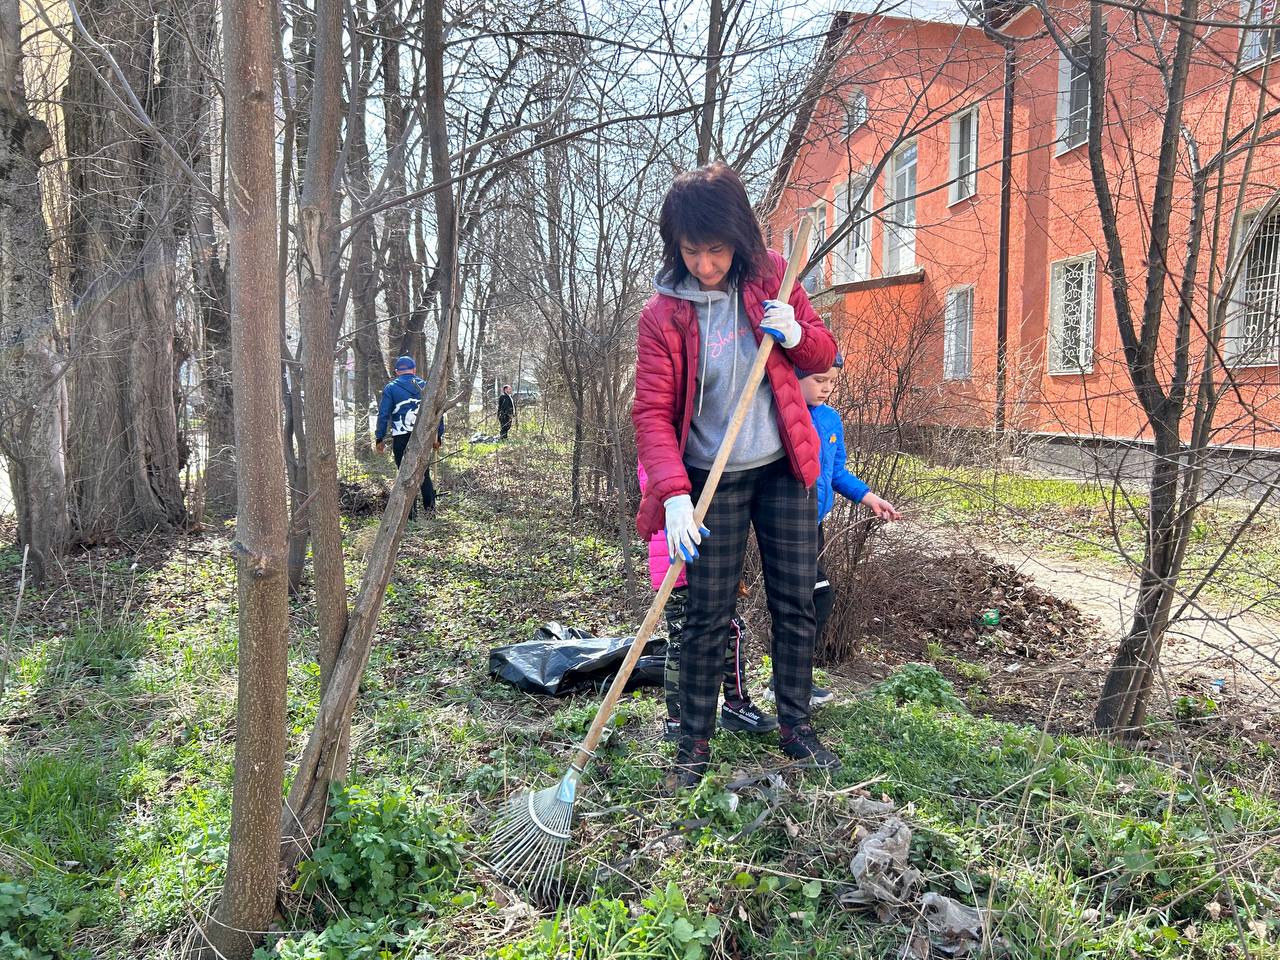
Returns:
<point x="955" y="160"/>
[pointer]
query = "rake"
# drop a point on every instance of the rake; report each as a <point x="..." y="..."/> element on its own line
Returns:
<point x="528" y="844"/>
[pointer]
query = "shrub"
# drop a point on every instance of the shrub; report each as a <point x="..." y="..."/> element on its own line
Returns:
<point x="382" y="854"/>
<point x="922" y="684"/>
<point x="663" y="930"/>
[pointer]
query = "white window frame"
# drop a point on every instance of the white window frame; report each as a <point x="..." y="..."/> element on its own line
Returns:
<point x="852" y="261"/>
<point x="816" y="278"/>
<point x="1068" y="76"/>
<point x="1236" y="350"/>
<point x="964" y="179"/>
<point x="855" y="111"/>
<point x="1083" y="361"/>
<point x="1254" y="47"/>
<point x="900" y="211"/>
<point x="957" y="337"/>
<point x="788" y="243"/>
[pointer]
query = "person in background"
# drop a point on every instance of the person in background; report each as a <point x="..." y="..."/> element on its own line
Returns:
<point x="506" y="410"/>
<point x="398" y="414"/>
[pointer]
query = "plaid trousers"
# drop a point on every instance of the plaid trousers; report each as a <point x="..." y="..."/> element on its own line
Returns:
<point x="785" y="517"/>
<point x="735" y="643"/>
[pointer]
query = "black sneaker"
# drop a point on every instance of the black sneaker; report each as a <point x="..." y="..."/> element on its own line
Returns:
<point x="746" y="717"/>
<point x="671" y="729"/>
<point x="692" y="758"/>
<point x="801" y="743"/>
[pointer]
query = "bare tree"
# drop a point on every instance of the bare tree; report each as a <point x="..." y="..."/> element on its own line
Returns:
<point x="1179" y="385"/>
<point x="249" y="890"/>
<point x="318" y="224"/>
<point x="130" y="211"/>
<point x="32" y="390"/>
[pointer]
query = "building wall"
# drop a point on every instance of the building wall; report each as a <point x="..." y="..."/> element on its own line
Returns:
<point x="916" y="76"/>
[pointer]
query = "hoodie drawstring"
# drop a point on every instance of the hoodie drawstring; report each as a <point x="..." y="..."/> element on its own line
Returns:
<point x="733" y="384"/>
<point x="702" y="374"/>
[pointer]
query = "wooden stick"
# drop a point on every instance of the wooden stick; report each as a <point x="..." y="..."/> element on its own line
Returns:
<point x="588" y="745"/>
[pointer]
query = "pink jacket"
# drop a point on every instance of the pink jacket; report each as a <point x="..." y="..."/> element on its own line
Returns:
<point x="659" y="561"/>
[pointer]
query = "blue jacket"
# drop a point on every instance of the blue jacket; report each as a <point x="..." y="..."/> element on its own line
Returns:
<point x="833" y="476"/>
<point x="398" y="410"/>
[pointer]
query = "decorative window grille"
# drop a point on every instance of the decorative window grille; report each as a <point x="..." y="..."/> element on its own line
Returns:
<point x="1253" y="324"/>
<point x="1071" y="307"/>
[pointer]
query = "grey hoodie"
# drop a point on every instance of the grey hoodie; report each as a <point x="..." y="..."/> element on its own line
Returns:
<point x="725" y="354"/>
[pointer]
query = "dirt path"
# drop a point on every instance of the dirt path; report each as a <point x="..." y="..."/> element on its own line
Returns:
<point x="1208" y="644"/>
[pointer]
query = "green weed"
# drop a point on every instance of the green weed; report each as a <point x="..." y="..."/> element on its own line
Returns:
<point x="922" y="684"/>
<point x="382" y="853"/>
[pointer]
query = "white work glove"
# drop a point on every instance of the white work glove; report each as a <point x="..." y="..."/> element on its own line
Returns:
<point x="683" y="532"/>
<point x="780" y="322"/>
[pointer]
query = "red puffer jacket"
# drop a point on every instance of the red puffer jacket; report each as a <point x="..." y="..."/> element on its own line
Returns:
<point x="666" y="379"/>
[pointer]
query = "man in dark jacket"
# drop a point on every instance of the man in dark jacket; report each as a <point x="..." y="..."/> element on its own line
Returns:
<point x="506" y="410"/>
<point x="398" y="412"/>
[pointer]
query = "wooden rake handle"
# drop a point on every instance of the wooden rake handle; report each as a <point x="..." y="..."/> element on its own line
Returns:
<point x="587" y="748"/>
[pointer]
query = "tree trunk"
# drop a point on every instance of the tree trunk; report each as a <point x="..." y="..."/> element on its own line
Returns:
<point x="317" y="220"/>
<point x="707" y="126"/>
<point x="370" y="370"/>
<point x="308" y="796"/>
<point x="294" y="438"/>
<point x="130" y="206"/>
<point x="294" y="447"/>
<point x="1123" y="704"/>
<point x="215" y="321"/>
<point x="249" y="890"/>
<point x="32" y="391"/>
<point x="395" y="286"/>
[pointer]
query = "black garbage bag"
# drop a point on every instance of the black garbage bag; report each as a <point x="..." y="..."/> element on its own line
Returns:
<point x="559" y="660"/>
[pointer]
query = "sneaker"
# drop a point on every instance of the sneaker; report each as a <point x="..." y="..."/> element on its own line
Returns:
<point x="818" y="696"/>
<point x="692" y="758"/>
<point x="671" y="729"/>
<point x="746" y="717"/>
<point x="801" y="743"/>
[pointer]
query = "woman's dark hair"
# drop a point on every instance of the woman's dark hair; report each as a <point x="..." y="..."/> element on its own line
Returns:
<point x="705" y="206"/>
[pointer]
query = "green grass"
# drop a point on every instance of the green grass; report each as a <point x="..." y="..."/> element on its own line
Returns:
<point x="116" y="745"/>
<point x="1090" y="521"/>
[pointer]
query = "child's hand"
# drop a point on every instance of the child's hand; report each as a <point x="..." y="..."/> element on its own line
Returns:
<point x="881" y="507"/>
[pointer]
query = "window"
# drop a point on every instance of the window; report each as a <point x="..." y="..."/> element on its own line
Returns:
<point x="855" y="111"/>
<point x="900" y="215"/>
<point x="964" y="155"/>
<point x="957" y="343"/>
<point x="1253" y="323"/>
<point x="1071" y="304"/>
<point x="816" y="278"/>
<point x="853" y="253"/>
<point x="1073" y="95"/>
<point x="788" y="241"/>
<point x="1256" y="13"/>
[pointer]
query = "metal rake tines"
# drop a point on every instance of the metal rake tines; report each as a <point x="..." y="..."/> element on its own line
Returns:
<point x="528" y="847"/>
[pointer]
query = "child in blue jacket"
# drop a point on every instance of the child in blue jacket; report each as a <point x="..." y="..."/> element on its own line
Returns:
<point x="834" y="476"/>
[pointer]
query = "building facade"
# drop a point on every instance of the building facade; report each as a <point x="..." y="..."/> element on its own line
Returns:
<point x="953" y="160"/>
